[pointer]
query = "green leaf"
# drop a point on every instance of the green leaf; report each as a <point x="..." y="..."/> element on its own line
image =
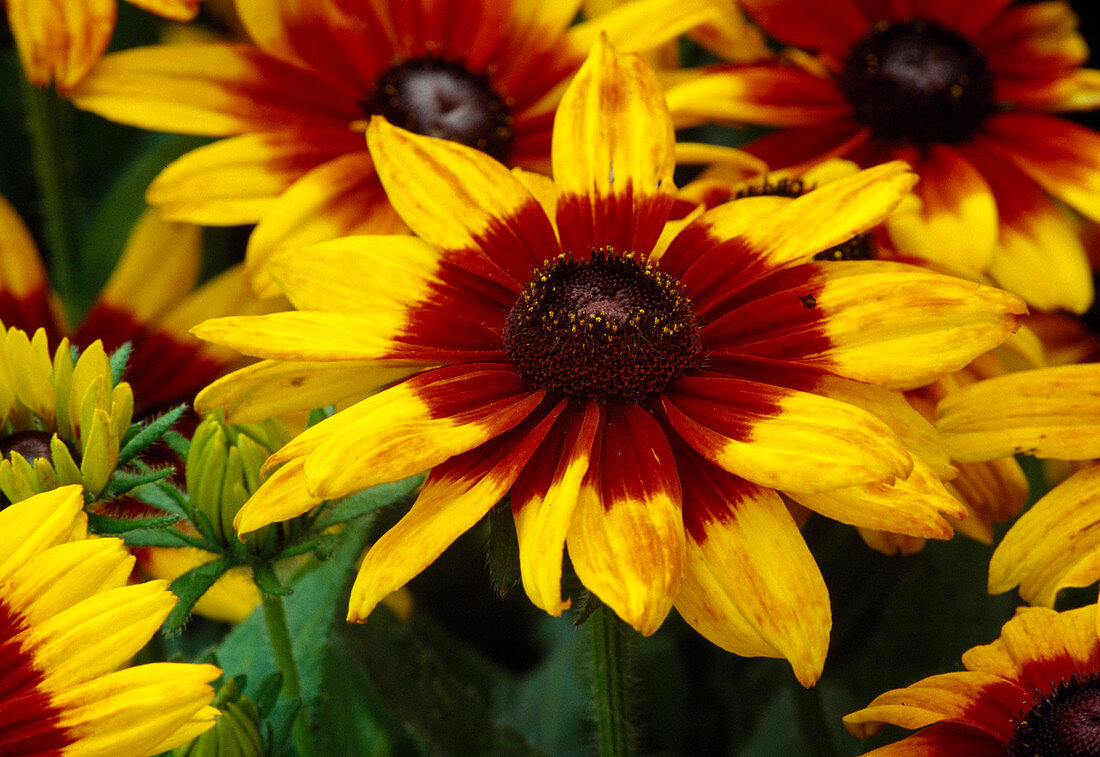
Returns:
<point x="503" y="555"/>
<point x="368" y="501"/>
<point x="149" y="433"/>
<point x="122" y="482"/>
<point x="106" y="525"/>
<point x="162" y="537"/>
<point x="164" y="496"/>
<point x="118" y="361"/>
<point x="189" y="588"/>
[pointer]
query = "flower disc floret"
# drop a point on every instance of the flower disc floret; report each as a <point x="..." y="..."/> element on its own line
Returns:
<point x="607" y="328"/>
<point x="916" y="81"/>
<point x="441" y="98"/>
<point x="1065" y="722"/>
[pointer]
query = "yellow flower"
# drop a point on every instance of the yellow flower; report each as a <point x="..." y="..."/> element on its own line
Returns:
<point x="643" y="390"/>
<point x="294" y="101"/>
<point x="61" y="421"/>
<point x="68" y="620"/>
<point x="60" y="40"/>
<point x="1031" y="693"/>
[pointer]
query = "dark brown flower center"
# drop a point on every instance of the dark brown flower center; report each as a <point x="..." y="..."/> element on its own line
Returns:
<point x="441" y="98"/>
<point x="1064" y="723"/>
<point x="603" y="329"/>
<point x="32" y="445"/>
<point x="916" y="81"/>
<point x="859" y="247"/>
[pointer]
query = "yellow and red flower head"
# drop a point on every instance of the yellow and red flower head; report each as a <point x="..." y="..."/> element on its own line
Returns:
<point x="68" y="621"/>
<point x="964" y="93"/>
<point x="1033" y="692"/>
<point x="294" y="103"/>
<point x="642" y="389"/>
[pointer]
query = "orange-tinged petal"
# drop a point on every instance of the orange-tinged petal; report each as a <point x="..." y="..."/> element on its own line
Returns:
<point x="783" y="438"/>
<point x="770" y="94"/>
<point x="1054" y="544"/>
<point x="914" y="506"/>
<point x="993" y="492"/>
<point x="177" y="10"/>
<point x="24" y="285"/>
<point x="457" y="495"/>
<point x="947" y="739"/>
<point x="59" y="41"/>
<point x="238" y="179"/>
<point x="743" y="240"/>
<point x="626" y="538"/>
<point x="270" y="388"/>
<point x="463" y="202"/>
<point x="214" y="89"/>
<point x="338" y="198"/>
<point x="1049" y="412"/>
<point x="1039" y="648"/>
<point x="750" y="584"/>
<point x="874" y="321"/>
<point x="980" y="700"/>
<point x="956" y="226"/>
<point x="831" y="28"/>
<point x="613" y="155"/>
<point x="1062" y="157"/>
<point x="642" y="25"/>
<point x="544" y="499"/>
<point x="416" y="425"/>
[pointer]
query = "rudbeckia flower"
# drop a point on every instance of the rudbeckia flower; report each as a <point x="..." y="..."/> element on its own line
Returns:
<point x="68" y="621"/>
<point x="641" y="388"/>
<point x="150" y="301"/>
<point x="1031" y="693"/>
<point x="1050" y="413"/>
<point x="966" y="93"/>
<point x="60" y="40"/>
<point x="294" y="101"/>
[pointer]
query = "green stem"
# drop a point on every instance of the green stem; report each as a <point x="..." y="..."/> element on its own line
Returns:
<point x="49" y="119"/>
<point x="610" y="673"/>
<point x="277" y="631"/>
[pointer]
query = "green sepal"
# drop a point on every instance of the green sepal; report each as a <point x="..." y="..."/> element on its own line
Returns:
<point x="368" y="501"/>
<point x="121" y="482"/>
<point x="139" y="437"/>
<point x="268" y="582"/>
<point x="190" y="587"/>
<point x="163" y="496"/>
<point x="503" y="554"/>
<point x="278" y="727"/>
<point x="118" y="360"/>
<point x="162" y="537"/>
<point x="105" y="525"/>
<point x="177" y="442"/>
<point x="266" y="695"/>
<point x="314" y="545"/>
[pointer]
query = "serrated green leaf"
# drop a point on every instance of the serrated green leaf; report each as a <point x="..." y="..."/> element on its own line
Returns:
<point x="163" y="537"/>
<point x="109" y="526"/>
<point x="122" y="482"/>
<point x="189" y="588"/>
<point x="163" y="496"/>
<point x="368" y="501"/>
<point x="148" y="434"/>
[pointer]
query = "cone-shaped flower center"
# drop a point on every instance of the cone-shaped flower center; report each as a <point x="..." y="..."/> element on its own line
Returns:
<point x="603" y="329"/>
<point x="32" y="445"/>
<point x="916" y="81"/>
<point x="1065" y="723"/>
<point x="439" y="98"/>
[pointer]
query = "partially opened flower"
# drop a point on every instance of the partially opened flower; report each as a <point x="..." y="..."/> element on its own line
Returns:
<point x="68" y="622"/>
<point x="60" y="40"/>
<point x="1050" y="413"/>
<point x="61" y="420"/>
<point x="294" y="103"/>
<point x="1034" y="692"/>
<point x="966" y="94"/>
<point x="641" y="389"/>
<point x="150" y="301"/>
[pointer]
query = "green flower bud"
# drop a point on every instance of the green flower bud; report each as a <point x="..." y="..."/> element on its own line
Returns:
<point x="223" y="470"/>
<point x="236" y="733"/>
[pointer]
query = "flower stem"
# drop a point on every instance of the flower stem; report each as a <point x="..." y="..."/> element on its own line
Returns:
<point x="48" y="124"/>
<point x="610" y="678"/>
<point x="277" y="631"/>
